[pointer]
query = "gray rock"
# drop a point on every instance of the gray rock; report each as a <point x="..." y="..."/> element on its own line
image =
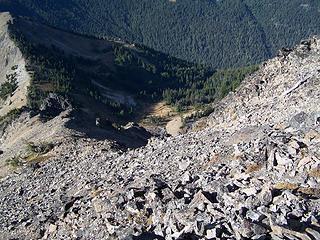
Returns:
<point x="53" y="105"/>
<point x="255" y="216"/>
<point x="265" y="196"/>
<point x="245" y="177"/>
<point x="315" y="234"/>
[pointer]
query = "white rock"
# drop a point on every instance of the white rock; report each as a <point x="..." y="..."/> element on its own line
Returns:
<point x="294" y="144"/>
<point x="249" y="191"/>
<point x="211" y="233"/>
<point x="183" y="165"/>
<point x="304" y="161"/>
<point x="254" y="216"/>
<point x="282" y="160"/>
<point x="292" y="151"/>
<point x="52" y="228"/>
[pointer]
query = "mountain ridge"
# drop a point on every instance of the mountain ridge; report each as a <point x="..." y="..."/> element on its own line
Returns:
<point x="12" y="59"/>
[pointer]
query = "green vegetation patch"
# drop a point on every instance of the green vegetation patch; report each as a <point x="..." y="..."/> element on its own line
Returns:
<point x="37" y="152"/>
<point x="11" y="115"/>
<point x="9" y="86"/>
<point x="34" y="153"/>
<point x="41" y="148"/>
<point x="155" y="120"/>
<point x="15" y="161"/>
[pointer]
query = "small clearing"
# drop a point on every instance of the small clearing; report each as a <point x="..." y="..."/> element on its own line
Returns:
<point x="173" y="119"/>
<point x="161" y="109"/>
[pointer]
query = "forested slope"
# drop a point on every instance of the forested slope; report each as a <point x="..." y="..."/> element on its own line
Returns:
<point x="119" y="76"/>
<point x="220" y="34"/>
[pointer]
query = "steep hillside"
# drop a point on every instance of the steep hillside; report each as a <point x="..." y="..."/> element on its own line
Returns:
<point x="56" y="84"/>
<point x="121" y="76"/>
<point x="272" y="95"/>
<point x="253" y="173"/>
<point x="12" y="71"/>
<point x="220" y="34"/>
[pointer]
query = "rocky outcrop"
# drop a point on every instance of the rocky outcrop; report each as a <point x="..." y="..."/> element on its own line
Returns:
<point x="53" y="105"/>
<point x="253" y="173"/>
<point x="136" y="132"/>
<point x="282" y="93"/>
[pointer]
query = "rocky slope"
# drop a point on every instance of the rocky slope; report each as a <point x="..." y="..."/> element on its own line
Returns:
<point x="253" y="173"/>
<point x="18" y="63"/>
<point x="12" y="62"/>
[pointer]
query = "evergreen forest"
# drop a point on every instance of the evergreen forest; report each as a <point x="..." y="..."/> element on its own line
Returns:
<point x="219" y="34"/>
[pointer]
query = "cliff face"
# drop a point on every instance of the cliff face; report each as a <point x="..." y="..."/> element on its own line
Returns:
<point x="12" y="62"/>
<point x="253" y="173"/>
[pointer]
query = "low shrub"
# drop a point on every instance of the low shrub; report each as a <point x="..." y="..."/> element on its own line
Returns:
<point x="41" y="148"/>
<point x="15" y="161"/>
<point x="7" y="88"/>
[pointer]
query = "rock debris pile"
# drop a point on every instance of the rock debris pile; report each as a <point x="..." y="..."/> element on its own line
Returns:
<point x="253" y="173"/>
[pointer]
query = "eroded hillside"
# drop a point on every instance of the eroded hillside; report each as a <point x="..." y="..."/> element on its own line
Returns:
<point x="12" y="63"/>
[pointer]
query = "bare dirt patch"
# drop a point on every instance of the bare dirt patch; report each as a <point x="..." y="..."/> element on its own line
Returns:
<point x="174" y="126"/>
<point x="160" y="109"/>
<point x="171" y="119"/>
